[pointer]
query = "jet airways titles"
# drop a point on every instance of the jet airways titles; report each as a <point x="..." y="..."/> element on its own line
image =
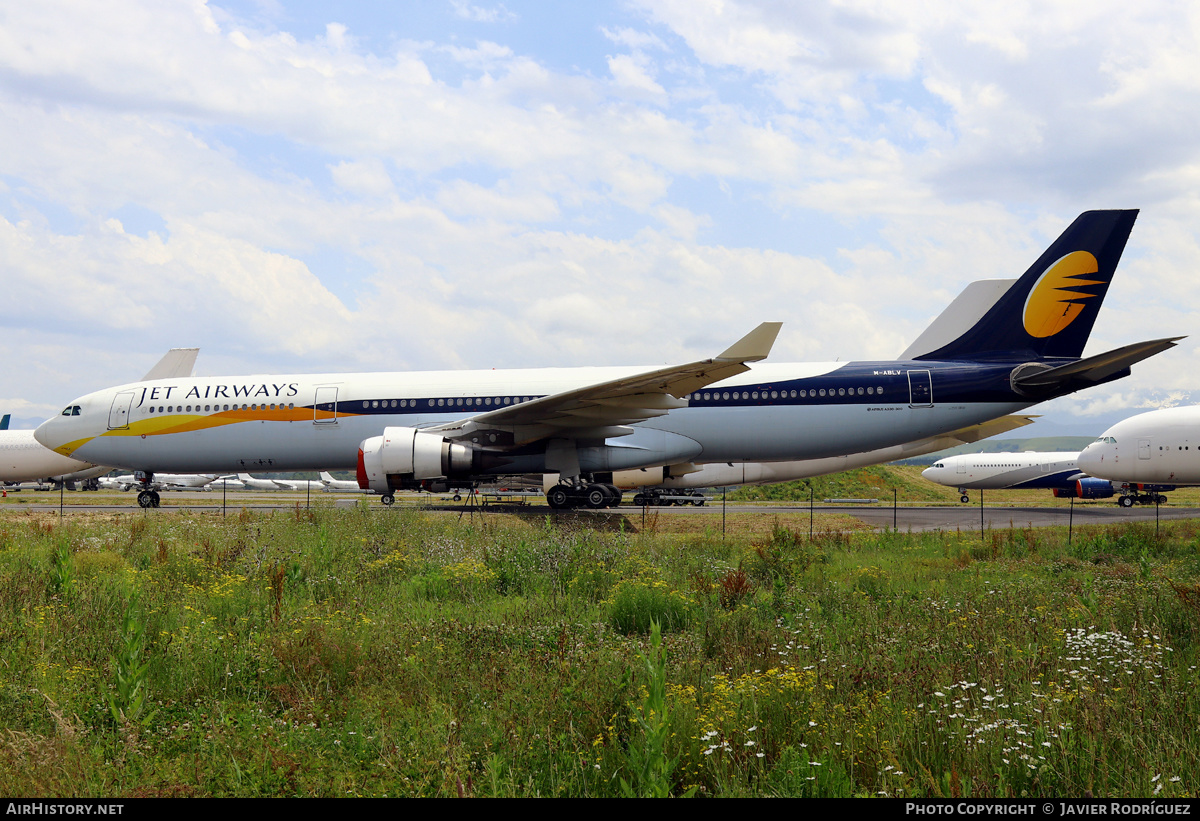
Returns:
<point x="253" y="390"/>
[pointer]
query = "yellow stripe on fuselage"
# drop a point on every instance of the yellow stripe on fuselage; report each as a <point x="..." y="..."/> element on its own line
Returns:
<point x="186" y="423"/>
<point x="70" y="447"/>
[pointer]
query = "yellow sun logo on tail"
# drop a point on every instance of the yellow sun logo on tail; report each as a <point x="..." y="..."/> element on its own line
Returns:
<point x="1051" y="304"/>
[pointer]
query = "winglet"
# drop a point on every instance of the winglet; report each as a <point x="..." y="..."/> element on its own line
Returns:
<point x="754" y="346"/>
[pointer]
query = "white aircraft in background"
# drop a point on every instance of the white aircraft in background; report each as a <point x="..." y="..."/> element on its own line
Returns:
<point x="300" y="484"/>
<point x="339" y="485"/>
<point x="1006" y="349"/>
<point x="252" y="483"/>
<point x="763" y="473"/>
<point x="166" y="481"/>
<point x="1161" y="446"/>
<point x="258" y="484"/>
<point x="24" y="459"/>
<point x="1057" y="471"/>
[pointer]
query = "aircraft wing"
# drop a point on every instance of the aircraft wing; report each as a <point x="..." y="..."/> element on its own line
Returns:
<point x="962" y="436"/>
<point x="992" y="427"/>
<point x="607" y="408"/>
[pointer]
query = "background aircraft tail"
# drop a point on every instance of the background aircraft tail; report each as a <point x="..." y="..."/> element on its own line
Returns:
<point x="1050" y="310"/>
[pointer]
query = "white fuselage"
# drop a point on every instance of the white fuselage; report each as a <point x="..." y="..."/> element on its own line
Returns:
<point x="307" y="422"/>
<point x="1159" y="447"/>
<point x="24" y="459"/>
<point x="999" y="471"/>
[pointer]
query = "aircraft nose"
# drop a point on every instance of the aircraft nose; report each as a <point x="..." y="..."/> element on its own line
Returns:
<point x="62" y="428"/>
<point x="47" y="433"/>
<point x="1090" y="458"/>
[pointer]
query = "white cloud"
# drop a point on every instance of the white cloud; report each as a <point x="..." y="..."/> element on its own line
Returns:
<point x="632" y="74"/>
<point x="449" y="204"/>
<point x="368" y="177"/>
<point x="633" y="39"/>
<point x="482" y="14"/>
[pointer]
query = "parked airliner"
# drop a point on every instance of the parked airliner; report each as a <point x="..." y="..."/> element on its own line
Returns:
<point x="434" y="430"/>
<point x="338" y="485"/>
<point x="1057" y="471"/>
<point x="1161" y="446"/>
<point x="24" y="459"/>
<point x="251" y="483"/>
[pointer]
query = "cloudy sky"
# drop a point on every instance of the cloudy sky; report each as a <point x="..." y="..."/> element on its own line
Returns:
<point x="304" y="186"/>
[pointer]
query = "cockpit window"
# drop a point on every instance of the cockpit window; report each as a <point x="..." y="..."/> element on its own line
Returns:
<point x="71" y="410"/>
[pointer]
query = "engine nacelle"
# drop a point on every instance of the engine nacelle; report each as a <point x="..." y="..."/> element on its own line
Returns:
<point x="406" y="457"/>
<point x="1088" y="488"/>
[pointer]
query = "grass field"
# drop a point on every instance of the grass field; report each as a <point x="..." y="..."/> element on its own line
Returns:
<point x="366" y="652"/>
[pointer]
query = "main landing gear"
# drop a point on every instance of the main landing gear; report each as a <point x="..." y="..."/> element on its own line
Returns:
<point x="596" y="496"/>
<point x="1143" y="499"/>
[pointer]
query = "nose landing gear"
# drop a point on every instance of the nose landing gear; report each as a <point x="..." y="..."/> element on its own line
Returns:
<point x="148" y="497"/>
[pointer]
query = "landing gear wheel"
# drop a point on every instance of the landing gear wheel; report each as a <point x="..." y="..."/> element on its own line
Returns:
<point x="1162" y="500"/>
<point x="558" y="497"/>
<point x="964" y="498"/>
<point x="388" y="499"/>
<point x="458" y="497"/>
<point x="639" y="500"/>
<point x="1125" y="501"/>
<point x="146" y="499"/>
<point x="596" y="497"/>
<point x="615" y="495"/>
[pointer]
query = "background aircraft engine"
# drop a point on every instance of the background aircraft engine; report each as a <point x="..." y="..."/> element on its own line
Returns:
<point x="1087" y="489"/>
<point x="408" y="456"/>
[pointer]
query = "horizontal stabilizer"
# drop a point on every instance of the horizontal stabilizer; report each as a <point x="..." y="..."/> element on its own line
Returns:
<point x="1093" y="369"/>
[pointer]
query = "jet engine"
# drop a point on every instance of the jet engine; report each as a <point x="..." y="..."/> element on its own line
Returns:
<point x="406" y="457"/>
<point x="1088" y="488"/>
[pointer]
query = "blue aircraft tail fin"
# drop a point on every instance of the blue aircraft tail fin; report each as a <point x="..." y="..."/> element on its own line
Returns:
<point x="4" y="421"/>
<point x="1050" y="310"/>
